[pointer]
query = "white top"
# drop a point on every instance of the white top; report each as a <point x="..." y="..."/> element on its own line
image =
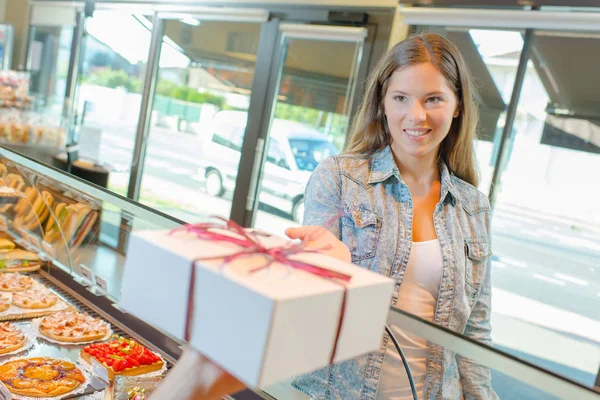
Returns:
<point x="418" y="295"/>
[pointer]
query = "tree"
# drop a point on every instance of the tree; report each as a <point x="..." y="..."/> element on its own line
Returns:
<point x="112" y="79"/>
<point x="101" y="59"/>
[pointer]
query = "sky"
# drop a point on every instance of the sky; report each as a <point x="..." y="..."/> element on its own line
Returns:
<point x="131" y="40"/>
<point x="492" y="43"/>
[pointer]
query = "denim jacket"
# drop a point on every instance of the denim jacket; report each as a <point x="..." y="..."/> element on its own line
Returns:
<point x="376" y="225"/>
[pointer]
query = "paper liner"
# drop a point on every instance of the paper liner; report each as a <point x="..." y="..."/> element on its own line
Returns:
<point x="80" y="389"/>
<point x="13" y="312"/>
<point x="29" y="342"/>
<point x="88" y="367"/>
<point x="35" y="284"/>
<point x="34" y="329"/>
<point x="94" y="396"/>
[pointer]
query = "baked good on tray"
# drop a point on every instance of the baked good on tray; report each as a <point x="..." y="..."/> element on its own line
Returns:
<point x="4" y="303"/>
<point x="35" y="298"/>
<point x="74" y="327"/>
<point x="11" y="338"/>
<point x="15" y="282"/>
<point x="74" y="220"/>
<point x="6" y="244"/>
<point x="19" y="260"/>
<point x="121" y="356"/>
<point x="33" y="214"/>
<point x="41" y="376"/>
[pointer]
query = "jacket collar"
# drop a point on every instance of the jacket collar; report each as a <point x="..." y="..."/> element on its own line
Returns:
<point x="384" y="166"/>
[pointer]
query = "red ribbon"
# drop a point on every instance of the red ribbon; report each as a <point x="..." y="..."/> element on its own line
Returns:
<point x="251" y="246"/>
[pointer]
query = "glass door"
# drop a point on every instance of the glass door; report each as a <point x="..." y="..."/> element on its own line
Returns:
<point x="48" y="64"/>
<point x="110" y="83"/>
<point x="199" y="113"/>
<point x="49" y="51"/>
<point x="31" y="113"/>
<point x="316" y="83"/>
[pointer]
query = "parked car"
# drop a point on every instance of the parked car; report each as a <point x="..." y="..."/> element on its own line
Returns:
<point x="294" y="151"/>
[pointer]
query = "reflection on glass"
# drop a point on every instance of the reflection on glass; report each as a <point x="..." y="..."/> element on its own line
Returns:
<point x="546" y="223"/>
<point x="504" y="386"/>
<point x="452" y="384"/>
<point x="309" y="124"/>
<point x="48" y="65"/>
<point x="31" y="102"/>
<point x="493" y="58"/>
<point x="199" y="117"/>
<point x="110" y="91"/>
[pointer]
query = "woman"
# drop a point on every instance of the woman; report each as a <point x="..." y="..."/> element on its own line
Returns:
<point x="406" y="190"/>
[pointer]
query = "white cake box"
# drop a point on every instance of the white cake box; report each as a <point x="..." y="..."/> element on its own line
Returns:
<point x="262" y="327"/>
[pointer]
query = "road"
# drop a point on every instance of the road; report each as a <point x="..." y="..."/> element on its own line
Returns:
<point x="546" y="270"/>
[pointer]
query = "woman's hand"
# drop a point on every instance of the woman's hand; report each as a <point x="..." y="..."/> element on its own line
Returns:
<point x="195" y="377"/>
<point x="222" y="384"/>
<point x="317" y="237"/>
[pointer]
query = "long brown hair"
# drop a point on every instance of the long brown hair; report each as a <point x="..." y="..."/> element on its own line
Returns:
<point x="370" y="132"/>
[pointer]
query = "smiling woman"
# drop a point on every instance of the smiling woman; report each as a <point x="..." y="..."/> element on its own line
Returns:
<point x="406" y="192"/>
<point x="418" y="84"/>
<point x="419" y="115"/>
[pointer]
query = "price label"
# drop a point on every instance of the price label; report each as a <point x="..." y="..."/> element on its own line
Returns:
<point x="87" y="273"/>
<point x="5" y="394"/>
<point x="100" y="371"/>
<point x="101" y="283"/>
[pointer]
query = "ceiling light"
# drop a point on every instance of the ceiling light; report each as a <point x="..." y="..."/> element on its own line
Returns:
<point x="190" y="21"/>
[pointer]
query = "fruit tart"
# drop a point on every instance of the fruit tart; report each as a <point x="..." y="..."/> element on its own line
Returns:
<point x="121" y="356"/>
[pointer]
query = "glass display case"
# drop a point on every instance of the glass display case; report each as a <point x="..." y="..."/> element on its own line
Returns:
<point x="75" y="225"/>
<point x="80" y="231"/>
<point x="63" y="246"/>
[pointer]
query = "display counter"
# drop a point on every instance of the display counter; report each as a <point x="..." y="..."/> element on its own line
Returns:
<point x="72" y="239"/>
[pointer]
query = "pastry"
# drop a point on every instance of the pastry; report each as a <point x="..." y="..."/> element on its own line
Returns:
<point x="53" y="229"/>
<point x="122" y="356"/>
<point x="11" y="338"/>
<point x="40" y="377"/>
<point x="6" y="191"/>
<point x="19" y="260"/>
<point x="30" y="217"/>
<point x="6" y="244"/>
<point x="78" y="223"/>
<point x="14" y="282"/>
<point x="26" y="201"/>
<point x="35" y="298"/>
<point x="4" y="303"/>
<point x="71" y="326"/>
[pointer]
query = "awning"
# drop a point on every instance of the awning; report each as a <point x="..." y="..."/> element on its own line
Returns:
<point x="491" y="103"/>
<point x="508" y="3"/>
<point x="573" y="120"/>
<point x="572" y="133"/>
<point x="490" y="99"/>
<point x="132" y="40"/>
<point x="568" y="66"/>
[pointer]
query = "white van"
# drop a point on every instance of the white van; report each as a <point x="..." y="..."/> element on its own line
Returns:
<point x="294" y="152"/>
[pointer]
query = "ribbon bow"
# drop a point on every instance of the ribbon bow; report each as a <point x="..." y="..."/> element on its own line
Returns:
<point x="250" y="246"/>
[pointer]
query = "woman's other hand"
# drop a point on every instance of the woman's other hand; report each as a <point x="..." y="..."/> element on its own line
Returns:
<point x="317" y="237"/>
<point x="195" y="377"/>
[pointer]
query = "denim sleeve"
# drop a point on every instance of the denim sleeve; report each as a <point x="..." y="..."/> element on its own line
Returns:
<point x="323" y="197"/>
<point x="322" y="205"/>
<point x="476" y="379"/>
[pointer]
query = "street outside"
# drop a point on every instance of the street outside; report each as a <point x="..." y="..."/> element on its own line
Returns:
<point x="546" y="273"/>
